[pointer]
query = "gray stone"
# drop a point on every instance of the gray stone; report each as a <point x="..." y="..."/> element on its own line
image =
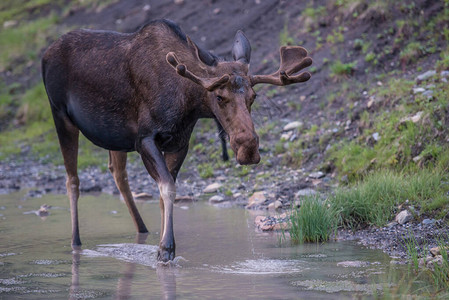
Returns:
<point x="417" y="158"/>
<point x="236" y="195"/>
<point x="257" y="199"/>
<point x="418" y="90"/>
<point x="142" y="196"/>
<point x="292" y="125"/>
<point x="392" y="224"/>
<point x="9" y="23"/>
<point x="316" y="175"/>
<point x="286" y="136"/>
<point x="376" y="136"/>
<point x="212" y="188"/>
<point x="305" y="192"/>
<point x="277" y="204"/>
<point x="403" y="217"/>
<point x="428" y="94"/>
<point x="435" y="251"/>
<point x="426" y="75"/>
<point x="216" y="199"/>
<point x="428" y="221"/>
<point x="444" y="74"/>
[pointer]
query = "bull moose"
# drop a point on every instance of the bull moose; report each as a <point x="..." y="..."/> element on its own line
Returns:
<point x="144" y="92"/>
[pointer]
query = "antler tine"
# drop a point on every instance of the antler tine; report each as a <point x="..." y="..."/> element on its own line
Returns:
<point x="209" y="84"/>
<point x="293" y="59"/>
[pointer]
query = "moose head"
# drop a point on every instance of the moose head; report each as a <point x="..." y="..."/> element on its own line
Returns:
<point x="230" y="91"/>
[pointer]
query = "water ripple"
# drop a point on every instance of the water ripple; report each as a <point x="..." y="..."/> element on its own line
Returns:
<point x="264" y="267"/>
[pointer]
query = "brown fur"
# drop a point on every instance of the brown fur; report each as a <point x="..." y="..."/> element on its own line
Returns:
<point x="145" y="92"/>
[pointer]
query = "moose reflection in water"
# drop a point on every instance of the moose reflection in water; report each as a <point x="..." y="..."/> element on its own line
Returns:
<point x="166" y="277"/>
<point x="144" y="92"/>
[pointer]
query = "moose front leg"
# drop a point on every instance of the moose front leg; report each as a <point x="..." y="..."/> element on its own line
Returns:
<point x="155" y="164"/>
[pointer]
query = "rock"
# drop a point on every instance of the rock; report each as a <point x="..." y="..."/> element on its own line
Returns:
<point x="259" y="220"/>
<point x="271" y="223"/>
<point x="179" y="2"/>
<point x="417" y="158"/>
<point x="316" y="175"/>
<point x="415" y="118"/>
<point x="437" y="260"/>
<point x="216" y="199"/>
<point x="292" y="125"/>
<point x="216" y="11"/>
<point x="236" y="195"/>
<point x="212" y="188"/>
<point x="428" y="221"/>
<point x="376" y="136"/>
<point x="428" y="94"/>
<point x="403" y="217"/>
<point x="437" y="250"/>
<point x="286" y="136"/>
<point x="281" y="226"/>
<point x="263" y="223"/>
<point x="426" y="75"/>
<point x="277" y="204"/>
<point x="418" y="90"/>
<point x="305" y="192"/>
<point x="271" y="206"/>
<point x="184" y="199"/>
<point x="257" y="199"/>
<point x="142" y="196"/>
<point x="43" y="210"/>
<point x="444" y="74"/>
<point x="9" y="23"/>
<point x="392" y="224"/>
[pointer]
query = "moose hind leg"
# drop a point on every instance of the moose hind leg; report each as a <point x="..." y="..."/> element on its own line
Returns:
<point x="117" y="166"/>
<point x="68" y="140"/>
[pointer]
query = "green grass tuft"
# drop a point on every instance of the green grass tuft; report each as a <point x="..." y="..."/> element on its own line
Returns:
<point x="374" y="200"/>
<point x="314" y="221"/>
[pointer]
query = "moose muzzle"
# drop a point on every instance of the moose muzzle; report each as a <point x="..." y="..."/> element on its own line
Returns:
<point x="246" y="147"/>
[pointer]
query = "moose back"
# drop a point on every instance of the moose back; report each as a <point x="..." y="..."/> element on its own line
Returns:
<point x="144" y="92"/>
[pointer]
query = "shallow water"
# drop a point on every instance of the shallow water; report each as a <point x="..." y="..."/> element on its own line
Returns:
<point x="222" y="256"/>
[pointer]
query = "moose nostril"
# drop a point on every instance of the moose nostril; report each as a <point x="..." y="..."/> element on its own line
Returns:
<point x="248" y="139"/>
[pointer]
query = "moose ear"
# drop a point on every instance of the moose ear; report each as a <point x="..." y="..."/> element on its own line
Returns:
<point x="201" y="55"/>
<point x="241" y="50"/>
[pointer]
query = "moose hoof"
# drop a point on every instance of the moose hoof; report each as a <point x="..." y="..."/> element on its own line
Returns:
<point x="165" y="255"/>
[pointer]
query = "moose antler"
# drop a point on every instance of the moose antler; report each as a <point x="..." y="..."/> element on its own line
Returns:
<point x="293" y="59"/>
<point x="209" y="84"/>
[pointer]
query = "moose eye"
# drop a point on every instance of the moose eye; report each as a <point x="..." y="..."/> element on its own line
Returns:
<point x="219" y="98"/>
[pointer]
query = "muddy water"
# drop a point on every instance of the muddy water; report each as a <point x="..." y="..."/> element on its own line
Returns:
<point x="222" y="256"/>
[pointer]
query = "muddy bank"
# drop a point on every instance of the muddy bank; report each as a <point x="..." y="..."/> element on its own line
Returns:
<point x="392" y="239"/>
